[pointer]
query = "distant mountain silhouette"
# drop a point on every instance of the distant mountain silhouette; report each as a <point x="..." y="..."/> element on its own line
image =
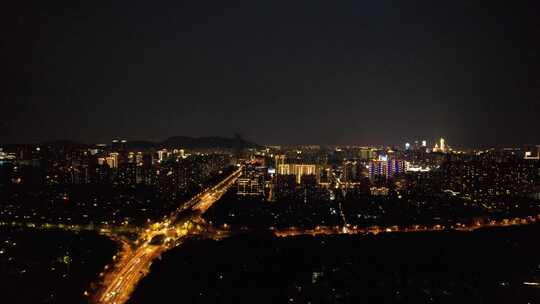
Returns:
<point x="140" y="144"/>
<point x="236" y="142"/>
<point x="64" y="143"/>
<point x="207" y="142"/>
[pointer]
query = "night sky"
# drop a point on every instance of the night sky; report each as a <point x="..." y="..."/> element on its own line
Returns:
<point x="278" y="72"/>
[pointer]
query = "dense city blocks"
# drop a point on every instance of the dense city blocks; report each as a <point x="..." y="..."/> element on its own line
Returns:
<point x="149" y="200"/>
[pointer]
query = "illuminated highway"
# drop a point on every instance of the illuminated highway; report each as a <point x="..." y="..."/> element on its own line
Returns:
<point x="349" y="229"/>
<point x="133" y="265"/>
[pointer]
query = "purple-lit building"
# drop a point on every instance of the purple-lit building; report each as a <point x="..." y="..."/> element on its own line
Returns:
<point x="386" y="167"/>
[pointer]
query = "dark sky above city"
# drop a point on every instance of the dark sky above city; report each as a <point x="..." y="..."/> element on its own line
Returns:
<point x="278" y="72"/>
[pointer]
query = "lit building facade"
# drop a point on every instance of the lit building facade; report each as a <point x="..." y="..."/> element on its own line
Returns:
<point x="250" y="186"/>
<point x="386" y="167"/>
<point x="298" y="170"/>
<point x="252" y="181"/>
<point x="367" y="153"/>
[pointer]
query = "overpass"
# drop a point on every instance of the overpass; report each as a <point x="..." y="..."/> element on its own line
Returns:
<point x="133" y="265"/>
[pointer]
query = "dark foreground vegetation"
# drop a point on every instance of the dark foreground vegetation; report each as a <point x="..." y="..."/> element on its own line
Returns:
<point x="50" y="266"/>
<point x="486" y="266"/>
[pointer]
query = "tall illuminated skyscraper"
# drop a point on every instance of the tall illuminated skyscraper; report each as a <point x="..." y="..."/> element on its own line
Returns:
<point x="112" y="160"/>
<point x="442" y="145"/>
<point x="162" y="155"/>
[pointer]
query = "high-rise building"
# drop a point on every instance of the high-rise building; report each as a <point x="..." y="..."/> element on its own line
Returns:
<point x="283" y="169"/>
<point x="367" y="153"/>
<point x="139" y="159"/>
<point x="112" y="160"/>
<point x="131" y="157"/>
<point x="250" y="186"/>
<point x="179" y="153"/>
<point x="442" y="145"/>
<point x="324" y="175"/>
<point x="301" y="170"/>
<point x="163" y="155"/>
<point x="386" y="167"/>
<point x="298" y="170"/>
<point x="352" y="172"/>
<point x="252" y="181"/>
<point x="280" y="160"/>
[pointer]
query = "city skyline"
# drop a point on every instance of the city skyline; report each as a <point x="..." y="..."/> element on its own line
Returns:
<point x="147" y="204"/>
<point x="413" y="142"/>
